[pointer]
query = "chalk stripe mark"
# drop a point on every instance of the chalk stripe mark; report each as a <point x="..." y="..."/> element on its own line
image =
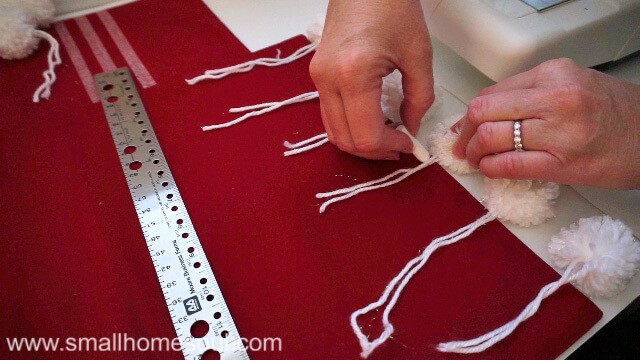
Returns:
<point x="78" y="61"/>
<point x="96" y="45"/>
<point x="136" y="65"/>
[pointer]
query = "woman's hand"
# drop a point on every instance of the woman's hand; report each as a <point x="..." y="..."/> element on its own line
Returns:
<point x="363" y="41"/>
<point x="579" y="126"/>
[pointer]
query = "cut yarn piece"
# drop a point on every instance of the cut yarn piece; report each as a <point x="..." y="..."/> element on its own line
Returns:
<point x="398" y="283"/>
<point x="391" y="179"/>
<point x="305" y="145"/>
<point x="19" y="36"/>
<point x="314" y="34"/>
<point x="261" y="109"/>
<point x="599" y="255"/>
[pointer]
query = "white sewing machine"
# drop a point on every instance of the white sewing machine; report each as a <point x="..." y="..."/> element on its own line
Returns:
<point x="505" y="37"/>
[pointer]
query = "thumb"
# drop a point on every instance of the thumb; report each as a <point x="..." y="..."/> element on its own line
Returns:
<point x="417" y="86"/>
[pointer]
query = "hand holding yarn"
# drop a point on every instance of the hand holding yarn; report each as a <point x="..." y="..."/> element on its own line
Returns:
<point x="362" y="42"/>
<point x="579" y="126"/>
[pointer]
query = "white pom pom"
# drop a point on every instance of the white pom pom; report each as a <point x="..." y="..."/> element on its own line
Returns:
<point x="39" y="12"/>
<point x="441" y="141"/>
<point x="16" y="33"/>
<point x="392" y="96"/>
<point x="609" y="254"/>
<point x="521" y="202"/>
<point x="314" y="31"/>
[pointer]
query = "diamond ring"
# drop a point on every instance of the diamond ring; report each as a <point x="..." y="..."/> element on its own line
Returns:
<point x="517" y="137"/>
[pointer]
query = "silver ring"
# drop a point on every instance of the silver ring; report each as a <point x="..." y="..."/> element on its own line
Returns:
<point x="517" y="136"/>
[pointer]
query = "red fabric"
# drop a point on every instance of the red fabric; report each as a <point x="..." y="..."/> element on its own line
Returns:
<point x="74" y="261"/>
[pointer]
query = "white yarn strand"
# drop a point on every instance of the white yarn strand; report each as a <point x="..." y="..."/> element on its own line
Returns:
<point x="216" y="74"/>
<point x="53" y="58"/>
<point x="289" y="145"/>
<point x="371" y="185"/>
<point x="409" y="270"/>
<point x="264" y="108"/>
<point x="305" y="145"/>
<point x="489" y="339"/>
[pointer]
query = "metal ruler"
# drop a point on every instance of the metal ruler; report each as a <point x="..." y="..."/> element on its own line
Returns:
<point x="198" y="311"/>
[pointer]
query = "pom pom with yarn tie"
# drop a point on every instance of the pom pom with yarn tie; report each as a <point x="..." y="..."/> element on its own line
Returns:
<point x="441" y="141"/>
<point x="17" y="40"/>
<point x="521" y="202"/>
<point x="599" y="255"/>
<point x="607" y="250"/>
<point x="19" y="36"/>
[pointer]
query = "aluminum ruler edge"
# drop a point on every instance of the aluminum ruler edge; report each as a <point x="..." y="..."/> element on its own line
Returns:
<point x="189" y="286"/>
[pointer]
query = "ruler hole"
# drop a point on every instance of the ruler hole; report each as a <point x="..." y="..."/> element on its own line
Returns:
<point x="112" y="99"/>
<point x="174" y="208"/>
<point x="209" y="297"/>
<point x="129" y="149"/>
<point x="203" y="281"/>
<point x="135" y="165"/>
<point x="196" y="265"/>
<point x="152" y="151"/>
<point x="133" y="104"/>
<point x="165" y="184"/>
<point x="124" y="80"/>
<point x="127" y="88"/>
<point x="199" y="329"/>
<point x="224" y="334"/>
<point x="148" y="141"/>
<point x="169" y="196"/>
<point x="129" y="96"/>
<point x="217" y="315"/>
<point x="156" y="161"/>
<point x="121" y="72"/>
<point x="210" y="355"/>
<point x="179" y="222"/>
<point x="144" y="131"/>
<point x="136" y="114"/>
<point x="160" y="172"/>
<point x="185" y="235"/>
<point x="107" y="87"/>
<point x="191" y="250"/>
<point x="140" y="122"/>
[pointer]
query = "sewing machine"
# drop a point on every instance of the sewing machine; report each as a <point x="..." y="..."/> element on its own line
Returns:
<point x="505" y="37"/>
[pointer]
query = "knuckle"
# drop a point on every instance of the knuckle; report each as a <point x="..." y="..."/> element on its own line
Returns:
<point x="350" y="65"/>
<point x="485" y="135"/>
<point x="571" y="97"/>
<point x="561" y="64"/>
<point x="367" y="144"/>
<point x="317" y="69"/>
<point x="512" y="165"/>
<point x="422" y="102"/>
<point x="477" y="107"/>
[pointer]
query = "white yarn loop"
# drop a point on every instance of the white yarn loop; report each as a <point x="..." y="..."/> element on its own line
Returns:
<point x="249" y="65"/>
<point x="305" y="145"/>
<point x="53" y="58"/>
<point x="264" y="108"/>
<point x="489" y="339"/>
<point x="409" y="270"/>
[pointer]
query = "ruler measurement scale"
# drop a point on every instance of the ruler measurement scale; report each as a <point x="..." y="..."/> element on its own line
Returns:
<point x="188" y="284"/>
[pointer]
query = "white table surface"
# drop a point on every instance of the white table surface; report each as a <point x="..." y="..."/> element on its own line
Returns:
<point x="259" y="24"/>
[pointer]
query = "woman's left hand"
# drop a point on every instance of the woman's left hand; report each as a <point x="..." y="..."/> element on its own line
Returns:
<point x="578" y="126"/>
